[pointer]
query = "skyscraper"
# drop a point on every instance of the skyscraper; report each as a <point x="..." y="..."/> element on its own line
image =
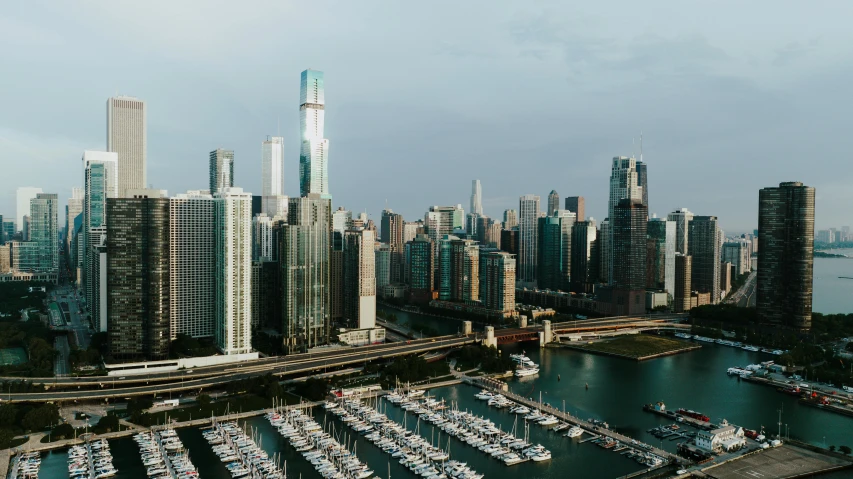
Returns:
<point x="623" y="182"/>
<point x="421" y="268"/>
<point x="553" y="203"/>
<point x="629" y="244"/>
<point x="127" y="136"/>
<point x="44" y="230"/>
<point x="683" y="283"/>
<point x="497" y="280"/>
<point x="305" y="272"/>
<point x="359" y="278"/>
<point x="273" y="201"/>
<point x="460" y="270"/>
<point x="605" y="245"/>
<point x="100" y="182"/>
<point x="660" y="271"/>
<point x="583" y="237"/>
<point x="392" y="235"/>
<point x="314" y="150"/>
<point x="575" y="204"/>
<point x="704" y="245"/>
<point x="528" y="238"/>
<point x="233" y="264"/>
<point x="737" y="253"/>
<point x="786" y="255"/>
<point x="440" y="221"/>
<point x="555" y="250"/>
<point x="476" y="198"/>
<point x="682" y="218"/>
<point x="643" y="181"/>
<point x="192" y="264"/>
<point x="510" y="219"/>
<point x="221" y="170"/>
<point x="24" y="195"/>
<point x="382" y="256"/>
<point x="137" y="255"/>
<point x="72" y="209"/>
<point x="263" y="246"/>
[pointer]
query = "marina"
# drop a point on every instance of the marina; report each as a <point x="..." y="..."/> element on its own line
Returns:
<point x="164" y="455"/>
<point x="92" y="460"/>
<point x="240" y="453"/>
<point x="25" y="465"/>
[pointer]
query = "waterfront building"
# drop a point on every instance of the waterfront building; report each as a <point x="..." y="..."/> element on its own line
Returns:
<point x="421" y="268"/>
<point x="127" y="137"/>
<point x="464" y="270"/>
<point x="137" y="272"/>
<point x="683" y="283"/>
<point x="682" y="218"/>
<point x="575" y="204"/>
<point x="528" y="239"/>
<point x="233" y="255"/>
<point x="23" y="196"/>
<point x="192" y="264"/>
<point x="704" y="245"/>
<point x="314" y="147"/>
<point x="583" y="237"/>
<point x="786" y="255"/>
<point x="623" y="185"/>
<point x="222" y="170"/>
<point x="510" y="219"/>
<point x="660" y="269"/>
<point x="476" y="198"/>
<point x="497" y="280"/>
<point x="44" y="231"/>
<point x="555" y="250"/>
<point x="359" y="278"/>
<point x="553" y="203"/>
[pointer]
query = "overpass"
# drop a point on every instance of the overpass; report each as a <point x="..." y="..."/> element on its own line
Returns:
<point x="103" y="387"/>
<point x="594" y="326"/>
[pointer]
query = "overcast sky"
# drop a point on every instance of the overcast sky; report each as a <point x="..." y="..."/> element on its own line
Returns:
<point x="423" y="97"/>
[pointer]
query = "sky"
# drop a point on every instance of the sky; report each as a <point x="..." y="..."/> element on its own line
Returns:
<point x="422" y="97"/>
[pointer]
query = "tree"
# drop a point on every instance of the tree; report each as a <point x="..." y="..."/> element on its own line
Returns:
<point x="844" y="450"/>
<point x="139" y="405"/>
<point x="62" y="431"/>
<point x="831" y="448"/>
<point x="108" y="423"/>
<point x="6" y="437"/>
<point x="8" y="415"/>
<point x="40" y="418"/>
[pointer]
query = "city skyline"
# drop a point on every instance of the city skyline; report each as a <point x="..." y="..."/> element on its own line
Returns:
<point x="183" y="127"/>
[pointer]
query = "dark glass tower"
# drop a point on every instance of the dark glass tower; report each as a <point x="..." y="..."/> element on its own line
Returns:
<point x="704" y="239"/>
<point x="629" y="225"/>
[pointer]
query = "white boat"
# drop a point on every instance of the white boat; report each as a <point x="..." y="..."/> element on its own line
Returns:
<point x="522" y="372"/>
<point x="574" y="431"/>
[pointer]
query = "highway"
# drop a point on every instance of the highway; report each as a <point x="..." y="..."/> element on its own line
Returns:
<point x="302" y="363"/>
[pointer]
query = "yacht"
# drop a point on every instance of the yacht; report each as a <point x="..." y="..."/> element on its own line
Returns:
<point x="522" y="372"/>
<point x="574" y="431"/>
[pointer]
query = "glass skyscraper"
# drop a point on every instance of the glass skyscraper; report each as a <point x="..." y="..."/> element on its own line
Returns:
<point x="314" y="150"/>
<point x="44" y="230"/>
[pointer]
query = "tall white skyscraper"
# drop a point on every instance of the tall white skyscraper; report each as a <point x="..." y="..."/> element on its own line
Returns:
<point x="233" y="256"/>
<point x="221" y="168"/>
<point x="314" y="150"/>
<point x="476" y="198"/>
<point x="127" y="135"/>
<point x="192" y="264"/>
<point x="22" y="207"/>
<point x="528" y="238"/>
<point x="273" y="201"/>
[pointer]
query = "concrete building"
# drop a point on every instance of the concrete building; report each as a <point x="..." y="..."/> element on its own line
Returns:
<point x="704" y="245"/>
<point x="44" y="231"/>
<point x="314" y="149"/>
<point x="555" y="250"/>
<point x="476" y="198"/>
<point x="727" y="438"/>
<point x="497" y="280"/>
<point x="553" y="203"/>
<point x="683" y="283"/>
<point x="528" y="239"/>
<point x="360" y="278"/>
<point x="420" y="260"/>
<point x="660" y="268"/>
<point x="127" y="137"/>
<point x="510" y="219"/>
<point x="392" y="235"/>
<point x="682" y="218"/>
<point x="725" y="277"/>
<point x="786" y="255"/>
<point x="273" y="201"/>
<point x="341" y="220"/>
<point x="192" y="264"/>
<point x="264" y="248"/>
<point x="575" y="204"/>
<point x="23" y="196"/>
<point x="137" y="272"/>
<point x="221" y="169"/>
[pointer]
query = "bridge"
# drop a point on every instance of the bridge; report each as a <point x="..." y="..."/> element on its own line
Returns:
<point x="594" y="326"/>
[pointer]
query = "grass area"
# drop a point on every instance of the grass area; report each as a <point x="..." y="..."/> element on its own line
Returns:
<point x="636" y="346"/>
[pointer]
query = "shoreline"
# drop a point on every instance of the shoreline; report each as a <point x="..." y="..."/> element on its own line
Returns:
<point x="647" y="357"/>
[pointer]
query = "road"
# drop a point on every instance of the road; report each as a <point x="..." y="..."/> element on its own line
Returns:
<point x="63" y="351"/>
<point x="304" y="363"/>
<point x="77" y="326"/>
<point x="745" y="296"/>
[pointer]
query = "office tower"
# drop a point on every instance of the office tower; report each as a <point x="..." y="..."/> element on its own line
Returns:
<point x="336" y="277"/>
<point x="623" y="183"/>
<point x="72" y="209"/>
<point x="314" y="150"/>
<point x="660" y="271"/>
<point x="272" y="180"/>
<point x="192" y="264"/>
<point x="472" y="221"/>
<point x="127" y="136"/>
<point x="341" y="220"/>
<point x="704" y="246"/>
<point x="786" y="255"/>
<point x="629" y="227"/>
<point x="24" y="195"/>
<point x="359" y="278"/>
<point x="100" y="182"/>
<point x="605" y="242"/>
<point x="382" y="259"/>
<point x="445" y="267"/>
<point x="222" y="171"/>
<point x="683" y="283"/>
<point x="476" y="198"/>
<point x="497" y="280"/>
<point x="25" y="228"/>
<point x="263" y="246"/>
<point x="24" y="256"/>
<point x="509" y="241"/>
<point x="100" y="282"/>
<point x="412" y="229"/>
<point x="44" y="230"/>
<point x="575" y="204"/>
<point x="682" y="218"/>
<point x="555" y="250"/>
<point x="440" y="221"/>
<point x="583" y="237"/>
<point x="642" y="181"/>
<point x="233" y="264"/>
<point x="491" y="234"/>
<point x="5" y="258"/>
<point x="460" y="267"/>
<point x="137" y="256"/>
<point x="305" y="272"/>
<point x="421" y="263"/>
<point x="392" y="235"/>
<point x="553" y="203"/>
<point x="528" y="241"/>
<point x="737" y="253"/>
<point x="510" y="219"/>
<point x="8" y="229"/>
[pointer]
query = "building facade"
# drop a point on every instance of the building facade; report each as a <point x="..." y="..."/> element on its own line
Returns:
<point x="575" y="204"/>
<point x="420" y="261"/>
<point x="583" y="237"/>
<point x="660" y="270"/>
<point x="528" y="239"/>
<point x="476" y="198"/>
<point x="497" y="280"/>
<point x="314" y="149"/>
<point x="553" y="203"/>
<point x="682" y="218"/>
<point x="221" y="169"/>
<point x="360" y="278"/>
<point x="44" y="231"/>
<point x="233" y="284"/>
<point x="127" y="137"/>
<point x="629" y="228"/>
<point x="555" y="250"/>
<point x="704" y="245"/>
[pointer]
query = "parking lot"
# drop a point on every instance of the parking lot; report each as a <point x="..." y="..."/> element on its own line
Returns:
<point x="776" y="463"/>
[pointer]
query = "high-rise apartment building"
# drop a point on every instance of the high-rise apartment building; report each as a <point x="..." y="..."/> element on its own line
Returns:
<point x="583" y="237"/>
<point x="476" y="198"/>
<point x="786" y="255"/>
<point x="575" y="204"/>
<point x="192" y="264"/>
<point x="137" y="255"/>
<point x="497" y="280"/>
<point x="359" y="278"/>
<point x="555" y="250"/>
<point x="44" y="230"/>
<point x="510" y="219"/>
<point x="441" y="221"/>
<point x="392" y="235"/>
<point x="683" y="283"/>
<point x="72" y="209"/>
<point x="305" y="272"/>
<point x="100" y="182"/>
<point x="233" y="285"/>
<point x="221" y="170"/>
<point x="127" y="136"/>
<point x="737" y="253"/>
<point x="660" y="270"/>
<point x="264" y="248"/>
<point x="553" y="203"/>
<point x="528" y="239"/>
<point x="704" y="245"/>
<point x="420" y="261"/>
<point x="382" y="259"/>
<point x="460" y="269"/>
<point x="273" y="201"/>
<point x="629" y="229"/>
<point x="314" y="149"/>
<point x="605" y="245"/>
<point x="682" y="218"/>
<point x="23" y="196"/>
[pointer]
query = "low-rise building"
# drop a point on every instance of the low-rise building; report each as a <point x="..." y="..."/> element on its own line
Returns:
<point x="362" y="337"/>
<point x="723" y="439"/>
